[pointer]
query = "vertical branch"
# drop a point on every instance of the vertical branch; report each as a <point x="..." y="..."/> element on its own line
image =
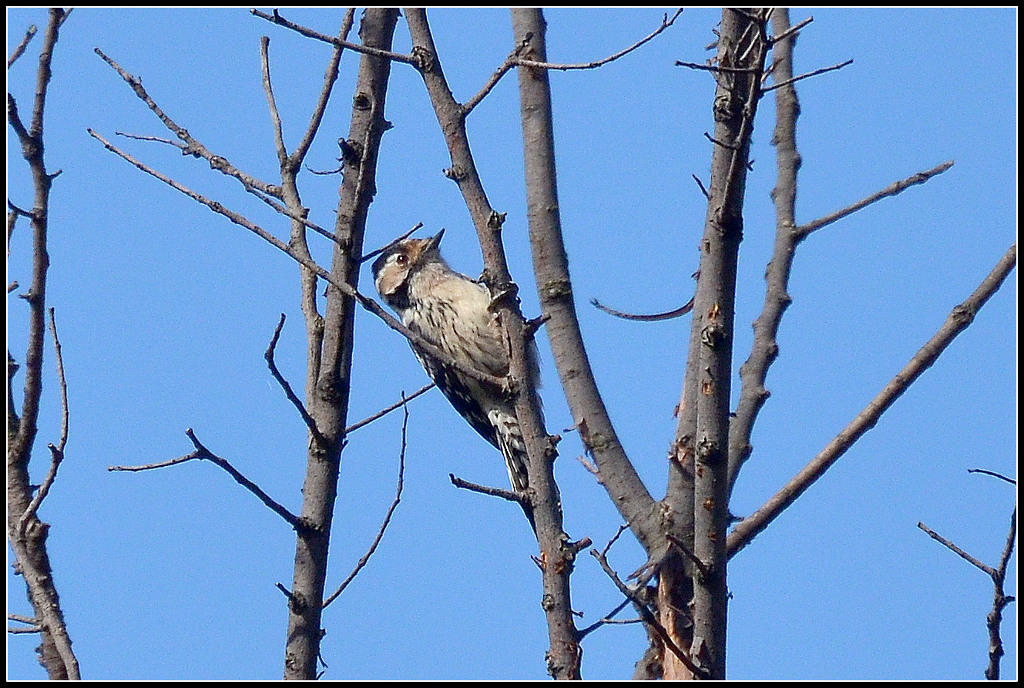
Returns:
<point x="554" y="288"/>
<point x="742" y="47"/>
<point x="26" y="533"/>
<point x="776" y="299"/>
<point x="1000" y="600"/>
<point x="557" y="554"/>
<point x="451" y="116"/>
<point x="329" y="367"/>
<point x="545" y="227"/>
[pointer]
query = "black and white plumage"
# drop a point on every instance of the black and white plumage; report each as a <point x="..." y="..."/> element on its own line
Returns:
<point x="452" y="311"/>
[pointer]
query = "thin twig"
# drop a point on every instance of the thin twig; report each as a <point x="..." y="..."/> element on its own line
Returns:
<point x="653" y="317"/>
<point x="515" y="59"/>
<point x="649" y="619"/>
<point x="330" y="77"/>
<point x="387" y="516"/>
<point x="501" y="71"/>
<point x="700" y="185"/>
<point x="183" y="147"/>
<point x="56" y="451"/>
<point x="790" y="31"/>
<point x="268" y="90"/>
<point x="993" y="474"/>
<point x="296" y="402"/>
<point x="20" y="618"/>
<point x="388" y="409"/>
<point x="715" y="68"/>
<point x="326" y="233"/>
<point x="393" y="242"/>
<point x="816" y="72"/>
<point x="1000" y="599"/>
<point x="35" y="628"/>
<point x="484" y="489"/>
<point x="802" y="231"/>
<point x="193" y="147"/>
<point x="276" y="18"/>
<point x="951" y="546"/>
<point x="20" y="48"/>
<point x="202" y="453"/>
<point x="62" y="383"/>
<point x="56" y="457"/>
<point x="665" y="23"/>
<point x="608" y="618"/>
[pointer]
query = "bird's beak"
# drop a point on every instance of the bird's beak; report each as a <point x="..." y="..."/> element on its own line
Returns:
<point x="435" y="240"/>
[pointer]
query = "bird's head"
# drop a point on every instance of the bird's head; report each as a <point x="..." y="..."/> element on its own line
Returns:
<point x="393" y="267"/>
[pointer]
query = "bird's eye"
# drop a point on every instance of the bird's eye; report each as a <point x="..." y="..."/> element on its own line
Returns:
<point x="401" y="259"/>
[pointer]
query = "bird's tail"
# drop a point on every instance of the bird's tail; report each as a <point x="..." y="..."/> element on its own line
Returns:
<point x="510" y="441"/>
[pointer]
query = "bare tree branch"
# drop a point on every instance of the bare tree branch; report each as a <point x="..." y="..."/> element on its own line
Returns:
<point x="956" y="550"/>
<point x="653" y="317"/>
<point x="387" y="516"/>
<point x="993" y="474"/>
<point x="20" y="48"/>
<point x="202" y="453"/>
<point x="742" y="44"/>
<point x="515" y="59"/>
<point x="789" y="31"/>
<point x="507" y="495"/>
<point x="765" y="349"/>
<point x="554" y="286"/>
<point x="650" y="620"/>
<point x="959" y="319"/>
<point x="388" y="409"/>
<point x="276" y="18"/>
<point x="365" y="301"/>
<point x="193" y="147"/>
<point x="543" y="64"/>
<point x="296" y="402"/>
<point x="56" y="451"/>
<point x="27" y="534"/>
<point x="802" y="231"/>
<point x="544" y="511"/>
<point x="394" y="242"/>
<point x="1000" y="600"/>
<point x="330" y="339"/>
<point x="816" y="72"/>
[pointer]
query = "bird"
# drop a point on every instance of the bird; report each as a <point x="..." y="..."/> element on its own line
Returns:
<point x="453" y="312"/>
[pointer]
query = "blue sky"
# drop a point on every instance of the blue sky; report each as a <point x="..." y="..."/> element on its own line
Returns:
<point x="165" y="309"/>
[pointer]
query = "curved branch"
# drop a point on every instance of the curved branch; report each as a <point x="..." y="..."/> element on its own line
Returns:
<point x="653" y="317"/>
<point x="554" y="286"/>
<point x="292" y="397"/>
<point x="387" y="516"/>
<point x="515" y="59"/>
<point x="666" y="22"/>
